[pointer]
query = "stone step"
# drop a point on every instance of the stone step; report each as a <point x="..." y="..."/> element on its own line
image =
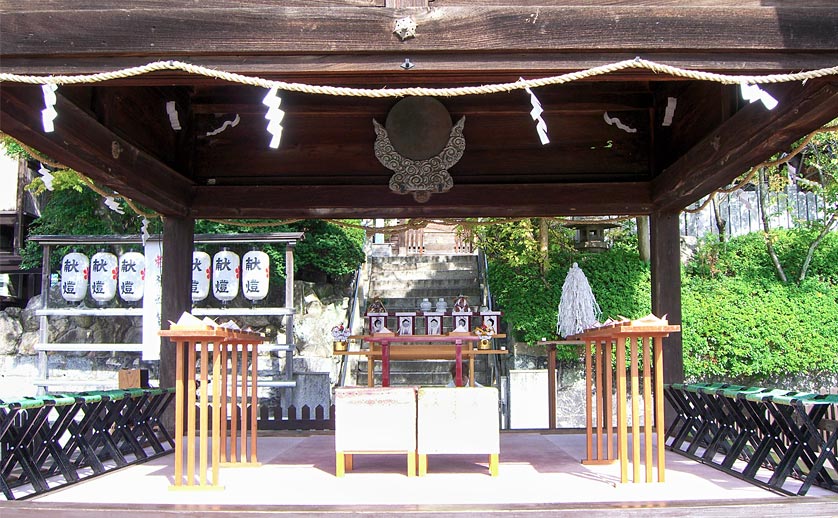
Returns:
<point x="401" y="283"/>
<point x="416" y="274"/>
<point x="413" y="289"/>
<point x="429" y="262"/>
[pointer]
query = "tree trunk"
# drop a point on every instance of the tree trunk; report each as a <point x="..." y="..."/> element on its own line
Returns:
<point x="721" y="223"/>
<point x="544" y="244"/>
<point x="814" y="244"/>
<point x="643" y="246"/>
<point x="766" y="227"/>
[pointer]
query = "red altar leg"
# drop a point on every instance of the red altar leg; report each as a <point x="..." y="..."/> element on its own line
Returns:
<point x="385" y="364"/>
<point x="458" y="354"/>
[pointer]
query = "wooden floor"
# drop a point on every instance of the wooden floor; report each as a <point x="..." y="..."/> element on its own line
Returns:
<point x="540" y="475"/>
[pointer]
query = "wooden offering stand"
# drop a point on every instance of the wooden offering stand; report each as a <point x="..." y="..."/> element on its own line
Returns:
<point x="643" y="336"/>
<point x="222" y="345"/>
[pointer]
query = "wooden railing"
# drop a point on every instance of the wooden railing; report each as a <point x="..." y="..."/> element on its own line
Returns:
<point x="274" y="417"/>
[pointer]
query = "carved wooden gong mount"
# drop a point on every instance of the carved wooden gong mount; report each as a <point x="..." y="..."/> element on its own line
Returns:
<point x="419" y="144"/>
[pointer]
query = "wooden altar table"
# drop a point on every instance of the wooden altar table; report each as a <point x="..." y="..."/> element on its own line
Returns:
<point x="420" y="347"/>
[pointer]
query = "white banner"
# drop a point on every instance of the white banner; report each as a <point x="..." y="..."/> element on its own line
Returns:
<point x="152" y="301"/>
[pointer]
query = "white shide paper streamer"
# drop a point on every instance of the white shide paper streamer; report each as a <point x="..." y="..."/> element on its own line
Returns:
<point x="669" y="113"/>
<point x="535" y="113"/>
<point x="112" y="204"/>
<point x="753" y="93"/>
<point x="48" y="114"/>
<point x="274" y="116"/>
<point x="614" y="121"/>
<point x="46" y="177"/>
<point x="171" y="109"/>
<point x="227" y="124"/>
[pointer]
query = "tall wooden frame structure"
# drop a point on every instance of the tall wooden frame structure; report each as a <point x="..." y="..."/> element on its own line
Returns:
<point x="118" y="132"/>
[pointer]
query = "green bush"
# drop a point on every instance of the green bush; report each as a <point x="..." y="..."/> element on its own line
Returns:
<point x="530" y="301"/>
<point x="739" y="321"/>
<point x="736" y="328"/>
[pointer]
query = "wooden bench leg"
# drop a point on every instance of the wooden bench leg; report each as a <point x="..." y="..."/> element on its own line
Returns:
<point x="493" y="464"/>
<point x="340" y="467"/>
<point x="423" y="464"/>
<point x="411" y="464"/>
<point x="350" y="462"/>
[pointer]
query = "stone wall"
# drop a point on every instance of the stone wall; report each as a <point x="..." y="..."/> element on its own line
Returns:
<point x="319" y="308"/>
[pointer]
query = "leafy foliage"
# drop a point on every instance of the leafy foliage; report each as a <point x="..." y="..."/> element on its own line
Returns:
<point x="76" y="210"/>
<point x="739" y="321"/>
<point x="530" y="300"/>
<point x="745" y="256"/>
<point x="736" y="328"/>
<point x="328" y="251"/>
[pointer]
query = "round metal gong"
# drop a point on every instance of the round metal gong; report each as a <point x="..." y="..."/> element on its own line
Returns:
<point x="418" y="127"/>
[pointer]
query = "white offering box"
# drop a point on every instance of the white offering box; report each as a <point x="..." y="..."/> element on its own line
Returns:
<point x="405" y="324"/>
<point x="433" y="322"/>
<point x="376" y="323"/>
<point x="461" y="321"/>
<point x="491" y="319"/>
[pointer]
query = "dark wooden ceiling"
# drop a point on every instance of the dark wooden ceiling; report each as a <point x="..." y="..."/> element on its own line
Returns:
<point x="118" y="133"/>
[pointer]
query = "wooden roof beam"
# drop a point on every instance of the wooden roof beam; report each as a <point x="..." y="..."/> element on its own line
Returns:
<point x="749" y="137"/>
<point x="274" y="28"/>
<point x="82" y="143"/>
<point x="360" y="201"/>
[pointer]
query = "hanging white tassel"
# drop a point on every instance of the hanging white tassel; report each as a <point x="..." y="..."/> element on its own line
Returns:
<point x="536" y="114"/>
<point x="753" y="93"/>
<point x="578" y="309"/>
<point x="48" y="114"/>
<point x="112" y="204"/>
<point x="46" y="177"/>
<point x="274" y="116"/>
<point x="144" y="231"/>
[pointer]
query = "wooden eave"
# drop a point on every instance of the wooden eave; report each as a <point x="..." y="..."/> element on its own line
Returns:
<point x="117" y="132"/>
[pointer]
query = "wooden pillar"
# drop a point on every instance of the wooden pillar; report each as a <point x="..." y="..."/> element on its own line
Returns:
<point x="666" y="292"/>
<point x="178" y="236"/>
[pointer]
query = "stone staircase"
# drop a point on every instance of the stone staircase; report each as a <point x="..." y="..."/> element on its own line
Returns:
<point x="402" y="282"/>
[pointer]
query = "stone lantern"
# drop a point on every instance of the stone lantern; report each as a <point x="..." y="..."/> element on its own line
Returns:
<point x="590" y="235"/>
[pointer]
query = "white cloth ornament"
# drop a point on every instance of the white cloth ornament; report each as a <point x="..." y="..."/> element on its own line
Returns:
<point x="174" y="120"/>
<point x="535" y="113"/>
<point x="144" y="231"/>
<point x="227" y="124"/>
<point x="274" y="116"/>
<point x="578" y="309"/>
<point x="753" y="93"/>
<point x="112" y="204"/>
<point x="614" y="121"/>
<point x="669" y="113"/>
<point x="48" y="114"/>
<point x="46" y="177"/>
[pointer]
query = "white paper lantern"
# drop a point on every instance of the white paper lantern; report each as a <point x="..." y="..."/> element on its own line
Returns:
<point x="201" y="274"/>
<point x="255" y="272"/>
<point x="131" y="276"/>
<point x="103" y="273"/>
<point x="225" y="275"/>
<point x="75" y="273"/>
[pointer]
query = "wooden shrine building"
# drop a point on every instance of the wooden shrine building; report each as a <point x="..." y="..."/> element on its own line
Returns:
<point x="641" y="102"/>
